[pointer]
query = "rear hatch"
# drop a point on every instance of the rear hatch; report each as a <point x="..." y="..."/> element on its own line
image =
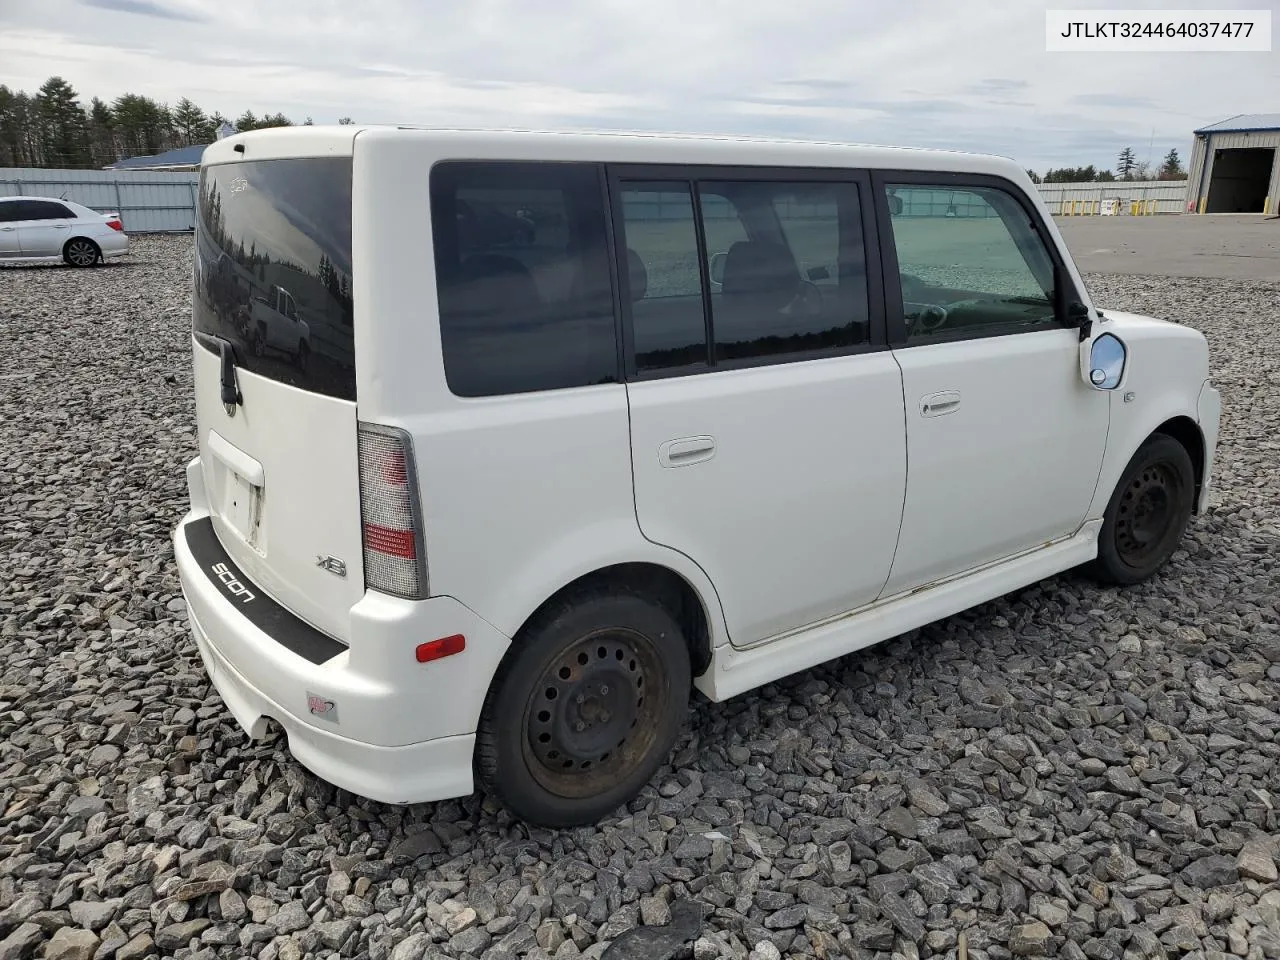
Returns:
<point x="272" y="285"/>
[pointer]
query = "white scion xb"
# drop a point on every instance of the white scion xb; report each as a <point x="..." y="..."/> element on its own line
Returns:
<point x="587" y="421"/>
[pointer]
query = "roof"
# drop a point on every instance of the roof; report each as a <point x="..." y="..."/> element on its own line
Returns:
<point x="1244" y="122"/>
<point x="183" y="156"/>
<point x="600" y="146"/>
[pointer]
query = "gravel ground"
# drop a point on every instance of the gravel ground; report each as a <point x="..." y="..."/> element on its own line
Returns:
<point x="1069" y="771"/>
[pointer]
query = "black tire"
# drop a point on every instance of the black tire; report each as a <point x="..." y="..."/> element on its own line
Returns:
<point x="1148" y="513"/>
<point x="81" y="252"/>
<point x="584" y="709"/>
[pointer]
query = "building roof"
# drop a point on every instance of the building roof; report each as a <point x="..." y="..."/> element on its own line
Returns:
<point x="1244" y="122"/>
<point x="183" y="156"/>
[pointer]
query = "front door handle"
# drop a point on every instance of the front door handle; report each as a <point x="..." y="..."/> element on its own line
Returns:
<point x="61" y="226"/>
<point x="940" y="404"/>
<point x="686" y="450"/>
<point x="8" y="229"/>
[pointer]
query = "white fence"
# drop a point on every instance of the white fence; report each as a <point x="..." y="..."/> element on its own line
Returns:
<point x="148" y="202"/>
<point x="1115" y="198"/>
<point x="164" y="202"/>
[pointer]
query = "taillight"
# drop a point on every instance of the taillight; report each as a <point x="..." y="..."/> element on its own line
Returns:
<point x="116" y="225"/>
<point x="390" y="517"/>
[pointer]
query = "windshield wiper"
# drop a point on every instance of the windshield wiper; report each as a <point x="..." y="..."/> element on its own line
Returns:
<point x="231" y="397"/>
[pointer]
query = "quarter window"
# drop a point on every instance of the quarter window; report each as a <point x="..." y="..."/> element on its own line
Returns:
<point x="522" y="269"/>
<point x="970" y="263"/>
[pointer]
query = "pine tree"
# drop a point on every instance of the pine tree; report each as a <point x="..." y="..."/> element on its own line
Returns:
<point x="1171" y="168"/>
<point x="1126" y="163"/>
<point x="102" y="134"/>
<point x="189" y="123"/>
<point x="63" y="135"/>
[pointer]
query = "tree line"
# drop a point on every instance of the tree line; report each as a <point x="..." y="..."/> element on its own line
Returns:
<point x="53" y="127"/>
<point x="1128" y="167"/>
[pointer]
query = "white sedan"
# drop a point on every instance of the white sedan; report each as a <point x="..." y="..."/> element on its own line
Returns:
<point x="44" y="229"/>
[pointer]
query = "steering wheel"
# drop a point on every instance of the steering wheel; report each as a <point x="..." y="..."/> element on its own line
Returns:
<point x="808" y="298"/>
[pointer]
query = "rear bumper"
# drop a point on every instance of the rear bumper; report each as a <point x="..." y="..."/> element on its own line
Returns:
<point x="433" y="770"/>
<point x="113" y="244"/>
<point x="365" y="717"/>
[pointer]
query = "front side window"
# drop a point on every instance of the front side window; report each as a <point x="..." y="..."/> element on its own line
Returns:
<point x="970" y="263"/>
<point x="522" y="273"/>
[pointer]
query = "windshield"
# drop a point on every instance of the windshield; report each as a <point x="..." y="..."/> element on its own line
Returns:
<point x="273" y="269"/>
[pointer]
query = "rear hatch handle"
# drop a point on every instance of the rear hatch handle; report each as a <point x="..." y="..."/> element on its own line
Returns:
<point x="231" y="396"/>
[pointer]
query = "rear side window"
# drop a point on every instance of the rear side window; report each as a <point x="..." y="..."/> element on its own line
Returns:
<point x="522" y="272"/>
<point x="10" y="211"/>
<point x="36" y="210"/>
<point x="273" y="269"/>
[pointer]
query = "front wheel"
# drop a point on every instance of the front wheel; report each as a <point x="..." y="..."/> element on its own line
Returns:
<point x="1148" y="513"/>
<point x="584" y="709"/>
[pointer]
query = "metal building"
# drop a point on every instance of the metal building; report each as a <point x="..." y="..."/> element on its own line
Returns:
<point x="1235" y="166"/>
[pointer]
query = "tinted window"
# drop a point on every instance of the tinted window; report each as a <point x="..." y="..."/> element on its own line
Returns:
<point x="969" y="261"/>
<point x="273" y="269"/>
<point x="668" y="320"/>
<point x="522" y="268"/>
<point x="10" y="211"/>
<point x="788" y="267"/>
<point x="44" y="210"/>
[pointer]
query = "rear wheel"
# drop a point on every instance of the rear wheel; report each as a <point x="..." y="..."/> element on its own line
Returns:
<point x="584" y="709"/>
<point x="81" y="252"/>
<point x="1148" y="513"/>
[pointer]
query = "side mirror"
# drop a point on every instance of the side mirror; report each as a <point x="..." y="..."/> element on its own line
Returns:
<point x="716" y="267"/>
<point x="895" y="204"/>
<point x="1107" y="356"/>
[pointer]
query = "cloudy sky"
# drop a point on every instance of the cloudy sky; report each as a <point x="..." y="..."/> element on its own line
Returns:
<point x="963" y="74"/>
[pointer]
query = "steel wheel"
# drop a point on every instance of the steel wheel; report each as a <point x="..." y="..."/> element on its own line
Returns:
<point x="1147" y="514"/>
<point x="82" y="253"/>
<point x="585" y="706"/>
<point x="591" y="716"/>
<point x="1145" y="511"/>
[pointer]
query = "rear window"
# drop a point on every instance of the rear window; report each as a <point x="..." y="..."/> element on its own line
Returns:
<point x="522" y="266"/>
<point x="273" y="269"/>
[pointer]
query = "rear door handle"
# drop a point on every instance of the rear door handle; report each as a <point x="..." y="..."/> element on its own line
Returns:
<point x="686" y="450"/>
<point x="8" y="229"/>
<point x="61" y="226"/>
<point x="940" y="404"/>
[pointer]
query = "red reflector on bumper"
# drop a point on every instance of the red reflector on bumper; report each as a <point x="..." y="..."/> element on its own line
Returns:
<point x="444" y="647"/>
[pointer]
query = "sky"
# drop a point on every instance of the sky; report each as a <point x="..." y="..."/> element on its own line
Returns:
<point x="959" y="74"/>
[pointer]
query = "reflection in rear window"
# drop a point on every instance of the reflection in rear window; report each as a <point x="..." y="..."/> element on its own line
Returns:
<point x="273" y="269"/>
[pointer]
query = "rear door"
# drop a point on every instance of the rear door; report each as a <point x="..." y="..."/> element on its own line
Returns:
<point x="766" y="413"/>
<point x="281" y="468"/>
<point x="44" y="228"/>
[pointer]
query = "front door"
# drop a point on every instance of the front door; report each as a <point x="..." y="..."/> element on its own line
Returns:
<point x="1004" y="438"/>
<point x="10" y="210"/>
<point x="766" y="413"/>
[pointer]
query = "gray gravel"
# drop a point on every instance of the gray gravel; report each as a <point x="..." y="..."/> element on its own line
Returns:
<point x="1069" y="771"/>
